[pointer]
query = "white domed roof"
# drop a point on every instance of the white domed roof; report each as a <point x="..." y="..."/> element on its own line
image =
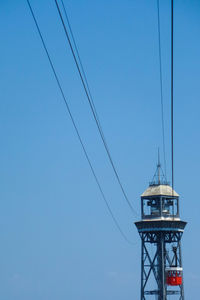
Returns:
<point x="159" y="190"/>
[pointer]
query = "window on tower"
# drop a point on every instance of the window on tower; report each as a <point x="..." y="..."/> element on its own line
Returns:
<point x="159" y="206"/>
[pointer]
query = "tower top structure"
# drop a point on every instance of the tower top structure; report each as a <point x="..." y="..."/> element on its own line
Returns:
<point x="159" y="200"/>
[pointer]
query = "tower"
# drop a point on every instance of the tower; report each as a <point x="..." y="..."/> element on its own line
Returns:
<point x="160" y="230"/>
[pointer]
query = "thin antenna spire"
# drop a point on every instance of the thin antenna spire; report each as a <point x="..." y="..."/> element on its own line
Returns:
<point x="159" y="177"/>
<point x="159" y="166"/>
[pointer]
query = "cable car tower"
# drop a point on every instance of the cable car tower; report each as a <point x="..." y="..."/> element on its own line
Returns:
<point x="161" y="230"/>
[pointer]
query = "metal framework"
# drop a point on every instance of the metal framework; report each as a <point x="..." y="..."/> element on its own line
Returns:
<point x="160" y="231"/>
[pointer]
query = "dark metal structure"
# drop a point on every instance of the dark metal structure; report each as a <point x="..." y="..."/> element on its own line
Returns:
<point x="161" y="230"/>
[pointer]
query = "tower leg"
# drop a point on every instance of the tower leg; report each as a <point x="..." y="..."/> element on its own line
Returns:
<point x="161" y="268"/>
<point x="182" y="286"/>
<point x="142" y="270"/>
<point x="155" y="264"/>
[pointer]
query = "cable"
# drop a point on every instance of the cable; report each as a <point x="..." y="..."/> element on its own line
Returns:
<point x="172" y="90"/>
<point x="161" y="88"/>
<point x="88" y="94"/>
<point x="80" y="61"/>
<point x="172" y="96"/>
<point x="75" y="126"/>
<point x="81" y="65"/>
<point x="93" y="112"/>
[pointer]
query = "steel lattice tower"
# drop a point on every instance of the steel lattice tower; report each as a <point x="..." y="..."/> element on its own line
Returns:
<point x="161" y="230"/>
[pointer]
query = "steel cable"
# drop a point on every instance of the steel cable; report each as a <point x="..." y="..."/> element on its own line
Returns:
<point x="172" y="91"/>
<point x="93" y="111"/>
<point x="161" y="87"/>
<point x="75" y="127"/>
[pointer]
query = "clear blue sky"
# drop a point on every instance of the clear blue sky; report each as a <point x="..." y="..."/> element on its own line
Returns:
<point x="57" y="238"/>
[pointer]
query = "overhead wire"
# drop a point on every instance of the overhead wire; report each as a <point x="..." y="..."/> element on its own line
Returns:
<point x="172" y="92"/>
<point x="81" y="65"/>
<point x="93" y="110"/>
<point x="80" y="62"/>
<point x="172" y="98"/>
<point x="161" y="86"/>
<point x="75" y="126"/>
